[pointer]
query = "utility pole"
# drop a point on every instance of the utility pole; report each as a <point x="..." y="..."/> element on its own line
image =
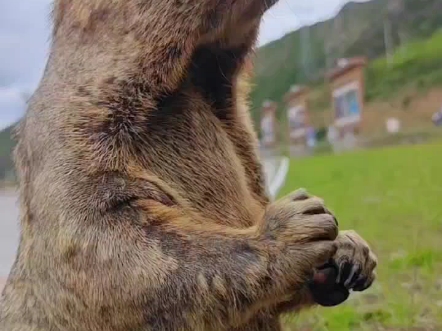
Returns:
<point x="392" y="28"/>
<point x="304" y="39"/>
<point x="327" y="51"/>
<point x="305" y="50"/>
<point x="396" y="10"/>
<point x="387" y="39"/>
<point x="329" y="47"/>
<point x="335" y="41"/>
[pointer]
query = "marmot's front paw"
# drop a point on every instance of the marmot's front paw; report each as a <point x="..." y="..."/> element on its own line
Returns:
<point x="304" y="230"/>
<point x="352" y="268"/>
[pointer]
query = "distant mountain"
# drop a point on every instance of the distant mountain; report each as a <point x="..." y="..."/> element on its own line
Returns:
<point x="357" y="30"/>
<point x="6" y="147"/>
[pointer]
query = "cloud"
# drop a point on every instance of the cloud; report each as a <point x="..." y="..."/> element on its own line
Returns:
<point x="288" y="15"/>
<point x="24" y="40"/>
<point x="25" y="31"/>
<point x="12" y="104"/>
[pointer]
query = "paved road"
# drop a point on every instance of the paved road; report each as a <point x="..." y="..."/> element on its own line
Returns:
<point x="270" y="168"/>
<point x="9" y="230"/>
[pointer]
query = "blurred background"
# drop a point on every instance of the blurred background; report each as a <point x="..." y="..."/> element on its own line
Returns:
<point x="349" y="96"/>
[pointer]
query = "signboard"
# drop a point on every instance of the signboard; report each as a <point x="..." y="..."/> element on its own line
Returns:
<point x="346" y="104"/>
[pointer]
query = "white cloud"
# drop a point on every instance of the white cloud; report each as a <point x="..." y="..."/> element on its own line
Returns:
<point x="12" y="104"/>
<point x="24" y="32"/>
<point x="288" y="15"/>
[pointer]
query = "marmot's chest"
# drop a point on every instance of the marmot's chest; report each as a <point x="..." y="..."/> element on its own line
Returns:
<point x="197" y="158"/>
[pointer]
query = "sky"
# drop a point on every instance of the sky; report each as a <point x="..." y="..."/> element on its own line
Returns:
<point x="25" y="30"/>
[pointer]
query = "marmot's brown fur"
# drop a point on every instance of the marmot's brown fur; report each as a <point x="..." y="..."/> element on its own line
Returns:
<point x="142" y="198"/>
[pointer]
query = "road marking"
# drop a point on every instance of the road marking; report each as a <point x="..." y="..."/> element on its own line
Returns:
<point x="277" y="182"/>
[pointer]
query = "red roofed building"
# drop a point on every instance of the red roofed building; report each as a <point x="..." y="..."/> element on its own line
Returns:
<point x="268" y="124"/>
<point x="296" y="100"/>
<point x="347" y="94"/>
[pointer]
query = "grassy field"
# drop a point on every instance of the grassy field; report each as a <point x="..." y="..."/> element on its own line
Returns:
<point x="393" y="198"/>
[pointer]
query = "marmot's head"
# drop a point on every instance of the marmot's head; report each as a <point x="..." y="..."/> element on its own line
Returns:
<point x="223" y="19"/>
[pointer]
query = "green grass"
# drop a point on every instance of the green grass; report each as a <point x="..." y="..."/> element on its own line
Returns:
<point x="393" y="198"/>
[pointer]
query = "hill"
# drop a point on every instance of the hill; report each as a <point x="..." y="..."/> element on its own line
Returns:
<point x="303" y="56"/>
<point x="407" y="86"/>
<point x="6" y="146"/>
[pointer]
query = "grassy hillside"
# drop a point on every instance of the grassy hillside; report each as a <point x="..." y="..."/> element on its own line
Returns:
<point x="395" y="206"/>
<point x="417" y="63"/>
<point x="303" y="56"/>
<point x="403" y="82"/>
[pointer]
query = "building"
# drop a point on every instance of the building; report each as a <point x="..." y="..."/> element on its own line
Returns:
<point x="347" y="89"/>
<point x="269" y="124"/>
<point x="296" y="101"/>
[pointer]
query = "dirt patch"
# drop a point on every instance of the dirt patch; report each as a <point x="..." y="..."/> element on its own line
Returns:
<point x="414" y="113"/>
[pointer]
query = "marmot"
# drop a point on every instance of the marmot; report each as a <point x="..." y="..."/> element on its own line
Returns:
<point x="142" y="197"/>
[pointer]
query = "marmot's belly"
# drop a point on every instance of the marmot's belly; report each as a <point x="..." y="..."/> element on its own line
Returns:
<point x="198" y="160"/>
<point x="219" y="190"/>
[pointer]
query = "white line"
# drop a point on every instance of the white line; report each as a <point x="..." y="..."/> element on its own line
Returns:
<point x="278" y="180"/>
